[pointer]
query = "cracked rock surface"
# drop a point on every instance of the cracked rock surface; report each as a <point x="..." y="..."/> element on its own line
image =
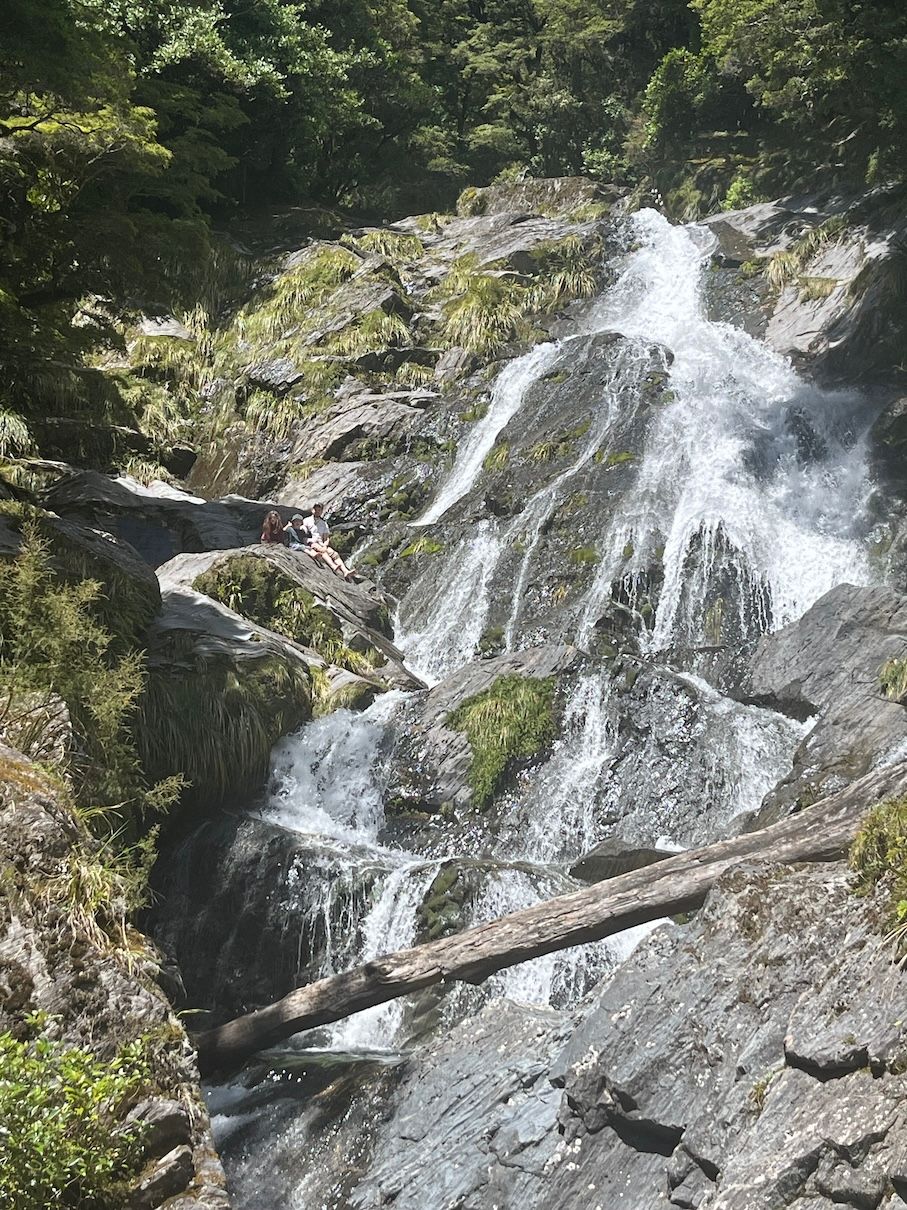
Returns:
<point x="750" y="1060"/>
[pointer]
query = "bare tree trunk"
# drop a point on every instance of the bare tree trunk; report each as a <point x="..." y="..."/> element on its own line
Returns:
<point x="823" y="832"/>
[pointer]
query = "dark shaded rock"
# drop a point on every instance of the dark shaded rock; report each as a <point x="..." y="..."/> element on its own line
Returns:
<point x="165" y="1125"/>
<point x="888" y="446"/>
<point x="168" y="1176"/>
<point x="827" y="665"/>
<point x="613" y="857"/>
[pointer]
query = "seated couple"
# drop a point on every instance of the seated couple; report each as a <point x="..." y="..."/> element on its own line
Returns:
<point x="310" y="534"/>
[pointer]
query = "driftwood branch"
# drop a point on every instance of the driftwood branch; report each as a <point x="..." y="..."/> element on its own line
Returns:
<point x="822" y="832"/>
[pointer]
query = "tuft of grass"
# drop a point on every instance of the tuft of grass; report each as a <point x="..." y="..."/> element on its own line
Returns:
<point x="432" y="223"/>
<point x="15" y="436"/>
<point x="395" y="246"/>
<point x="509" y="722"/>
<point x="814" y="289"/>
<point x="372" y="331"/>
<point x="878" y="857"/>
<point x="496" y="458"/>
<point x="297" y="293"/>
<point x="893" y="680"/>
<point x="472" y="202"/>
<point x="488" y="312"/>
<point x="581" y="555"/>
<point x="146" y="471"/>
<point x="425" y="545"/>
<point x="567" y="270"/>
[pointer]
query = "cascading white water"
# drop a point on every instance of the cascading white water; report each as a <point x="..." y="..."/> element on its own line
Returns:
<point x="726" y="521"/>
<point x="699" y="508"/>
<point x="443" y="633"/>
<point x="509" y="391"/>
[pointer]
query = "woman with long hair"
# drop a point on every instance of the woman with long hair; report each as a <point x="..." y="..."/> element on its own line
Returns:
<point x="272" y="528"/>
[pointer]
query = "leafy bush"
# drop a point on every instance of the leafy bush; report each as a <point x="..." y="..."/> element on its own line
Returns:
<point x="509" y="722"/>
<point x="58" y="1109"/>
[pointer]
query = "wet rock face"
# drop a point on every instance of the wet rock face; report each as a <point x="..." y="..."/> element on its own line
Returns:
<point x="51" y="964"/>
<point x="839" y="311"/>
<point x="826" y="666"/>
<point x="743" y="1062"/>
<point x="241" y="911"/>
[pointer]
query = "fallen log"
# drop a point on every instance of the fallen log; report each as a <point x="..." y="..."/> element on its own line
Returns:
<point x="822" y="832"/>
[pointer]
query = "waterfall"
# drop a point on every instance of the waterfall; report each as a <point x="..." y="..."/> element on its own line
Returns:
<point x="509" y="391"/>
<point x="742" y="506"/>
<point x="724" y="495"/>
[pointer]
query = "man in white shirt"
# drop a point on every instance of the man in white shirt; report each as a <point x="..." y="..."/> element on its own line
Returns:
<point x="319" y="541"/>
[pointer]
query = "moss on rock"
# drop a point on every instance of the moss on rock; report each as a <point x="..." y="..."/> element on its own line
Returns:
<point x="510" y="722"/>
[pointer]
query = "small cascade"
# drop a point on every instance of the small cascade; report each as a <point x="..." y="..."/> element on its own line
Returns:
<point x="509" y="391"/>
<point x="444" y="631"/>
<point x="750" y="484"/>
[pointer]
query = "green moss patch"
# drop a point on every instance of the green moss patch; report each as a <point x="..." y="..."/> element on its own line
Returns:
<point x="509" y="722"/>
<point x="260" y="592"/>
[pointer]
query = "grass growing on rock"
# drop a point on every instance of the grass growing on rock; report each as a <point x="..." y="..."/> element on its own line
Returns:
<point x="256" y="589"/>
<point x="511" y="721"/>
<point x="878" y="858"/>
<point x="893" y="680"/>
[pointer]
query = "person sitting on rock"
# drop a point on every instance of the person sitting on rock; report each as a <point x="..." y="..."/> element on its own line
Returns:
<point x="272" y="529"/>
<point x="298" y="536"/>
<point x="320" y="542"/>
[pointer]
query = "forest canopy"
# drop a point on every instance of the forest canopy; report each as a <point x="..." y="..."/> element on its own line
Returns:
<point x="128" y="127"/>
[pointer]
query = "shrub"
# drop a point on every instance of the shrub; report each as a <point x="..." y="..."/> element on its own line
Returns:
<point x="53" y="647"/>
<point x="509" y="722"/>
<point x="58" y="1109"/>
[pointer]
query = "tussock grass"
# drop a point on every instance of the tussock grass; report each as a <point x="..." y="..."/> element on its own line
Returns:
<point x="510" y="722"/>
<point x="395" y="246"/>
<point x="215" y="721"/>
<point x="497" y="457"/>
<point x="893" y="680"/>
<point x="878" y="858"/>
<point x="15" y="435"/>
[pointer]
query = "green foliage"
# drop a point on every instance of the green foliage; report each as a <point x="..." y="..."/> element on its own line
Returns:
<point x="878" y="857"/>
<point x="583" y="555"/>
<point x="497" y="457"/>
<point x="425" y="545"/>
<point x="59" y="1107"/>
<point x="486" y="311"/>
<point x="297" y="292"/>
<point x="53" y="647"/>
<point x="741" y="193"/>
<point x="893" y="680"/>
<point x="259" y="591"/>
<point x="215" y="722"/>
<point x="397" y="247"/>
<point x="15" y="437"/>
<point x="509" y="722"/>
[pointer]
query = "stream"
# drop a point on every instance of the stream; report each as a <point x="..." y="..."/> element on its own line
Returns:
<point x="748" y="497"/>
